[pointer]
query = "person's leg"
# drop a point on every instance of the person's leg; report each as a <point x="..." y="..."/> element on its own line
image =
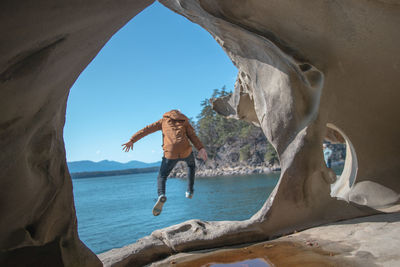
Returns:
<point x="191" y="169"/>
<point x="166" y="167"/>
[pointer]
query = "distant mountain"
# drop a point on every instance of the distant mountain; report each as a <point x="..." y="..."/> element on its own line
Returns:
<point x="107" y="165"/>
<point x="77" y="175"/>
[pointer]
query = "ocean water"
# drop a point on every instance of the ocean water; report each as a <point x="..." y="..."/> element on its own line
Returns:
<point x="116" y="211"/>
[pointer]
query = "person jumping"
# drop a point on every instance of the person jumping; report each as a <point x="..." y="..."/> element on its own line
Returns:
<point x="176" y="132"/>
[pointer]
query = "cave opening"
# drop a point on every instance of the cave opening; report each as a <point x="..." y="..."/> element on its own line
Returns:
<point x="59" y="40"/>
<point x="366" y="192"/>
<point x="334" y="148"/>
<point x="345" y="161"/>
<point x="98" y="122"/>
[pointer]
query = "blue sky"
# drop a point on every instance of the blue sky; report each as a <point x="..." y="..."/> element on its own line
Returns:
<point x="157" y="62"/>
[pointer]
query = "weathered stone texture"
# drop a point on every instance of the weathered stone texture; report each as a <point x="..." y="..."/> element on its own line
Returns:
<point x="308" y="70"/>
<point x="44" y="46"/>
<point x="304" y="67"/>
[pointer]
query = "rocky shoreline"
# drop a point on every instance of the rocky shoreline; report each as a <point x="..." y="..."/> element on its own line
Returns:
<point x="211" y="169"/>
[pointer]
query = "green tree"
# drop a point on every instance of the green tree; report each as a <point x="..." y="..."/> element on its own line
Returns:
<point x="271" y="157"/>
<point x="215" y="130"/>
<point x="244" y="153"/>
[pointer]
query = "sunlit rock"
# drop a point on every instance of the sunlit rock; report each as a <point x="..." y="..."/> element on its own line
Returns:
<point x="308" y="70"/>
<point x="304" y="67"/>
<point x="372" y="194"/>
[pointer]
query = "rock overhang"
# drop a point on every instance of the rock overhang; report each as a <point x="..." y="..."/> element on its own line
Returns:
<point x="302" y="66"/>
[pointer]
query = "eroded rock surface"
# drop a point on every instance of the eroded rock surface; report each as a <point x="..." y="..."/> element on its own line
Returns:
<point x="303" y="66"/>
<point x="307" y="70"/>
<point x="366" y="241"/>
<point x="44" y="46"/>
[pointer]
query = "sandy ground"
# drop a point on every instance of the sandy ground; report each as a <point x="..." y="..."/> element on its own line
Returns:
<point x="366" y="241"/>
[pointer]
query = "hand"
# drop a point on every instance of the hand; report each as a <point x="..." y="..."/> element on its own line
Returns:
<point x="202" y="154"/>
<point x="127" y="146"/>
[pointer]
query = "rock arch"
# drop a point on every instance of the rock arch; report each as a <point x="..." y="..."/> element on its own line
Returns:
<point x="301" y="65"/>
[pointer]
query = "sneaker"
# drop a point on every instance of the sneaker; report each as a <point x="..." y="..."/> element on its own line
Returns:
<point x="158" y="206"/>
<point x="189" y="195"/>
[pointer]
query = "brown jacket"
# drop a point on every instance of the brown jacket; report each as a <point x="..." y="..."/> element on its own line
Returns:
<point x="176" y="131"/>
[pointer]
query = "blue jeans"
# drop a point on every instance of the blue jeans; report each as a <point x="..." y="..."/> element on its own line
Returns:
<point x="166" y="167"/>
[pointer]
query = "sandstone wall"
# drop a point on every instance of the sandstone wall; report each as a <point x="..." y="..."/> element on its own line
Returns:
<point x="44" y="46"/>
<point x="303" y="66"/>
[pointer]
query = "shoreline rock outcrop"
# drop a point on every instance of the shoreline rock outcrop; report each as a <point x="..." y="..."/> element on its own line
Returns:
<point x="226" y="170"/>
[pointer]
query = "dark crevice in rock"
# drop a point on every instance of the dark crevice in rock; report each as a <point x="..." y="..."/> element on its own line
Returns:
<point x="305" y="67"/>
<point x="181" y="229"/>
<point x="31" y="229"/>
<point x="201" y="224"/>
<point x="26" y="61"/>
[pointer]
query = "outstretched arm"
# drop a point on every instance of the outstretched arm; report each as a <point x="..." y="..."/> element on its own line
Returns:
<point x="142" y="133"/>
